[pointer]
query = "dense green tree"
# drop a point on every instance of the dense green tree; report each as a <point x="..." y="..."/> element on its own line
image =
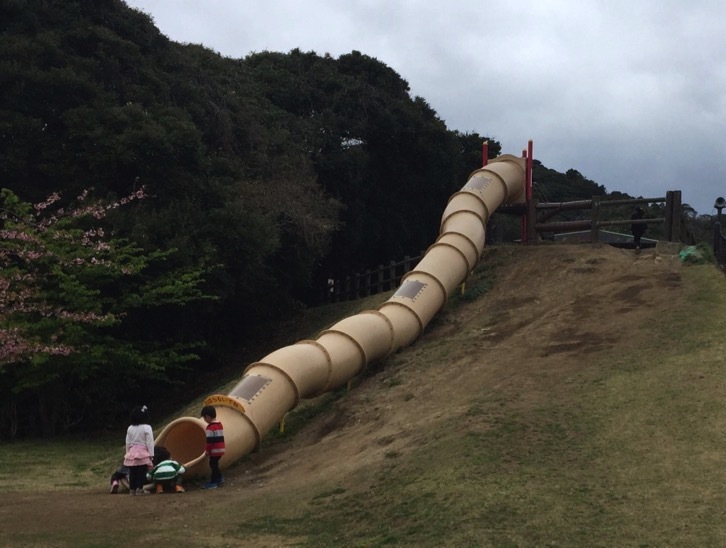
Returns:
<point x="96" y="96"/>
<point x="382" y="153"/>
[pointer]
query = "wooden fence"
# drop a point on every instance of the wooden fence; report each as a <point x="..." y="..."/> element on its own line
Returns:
<point x="370" y="282"/>
<point x="539" y="215"/>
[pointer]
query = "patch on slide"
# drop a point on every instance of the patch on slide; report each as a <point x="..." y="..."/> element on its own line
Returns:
<point x="410" y="289"/>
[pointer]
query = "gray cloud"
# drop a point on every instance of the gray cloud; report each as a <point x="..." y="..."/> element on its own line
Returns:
<point x="630" y="93"/>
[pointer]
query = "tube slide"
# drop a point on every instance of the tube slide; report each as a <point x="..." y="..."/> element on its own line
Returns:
<point x="274" y="385"/>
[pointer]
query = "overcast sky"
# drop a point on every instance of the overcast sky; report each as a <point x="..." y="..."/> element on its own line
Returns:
<point x="630" y="93"/>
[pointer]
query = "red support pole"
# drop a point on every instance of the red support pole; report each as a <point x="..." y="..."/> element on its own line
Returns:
<point x="523" y="218"/>
<point x="530" y="160"/>
<point x="484" y="153"/>
<point x="527" y="154"/>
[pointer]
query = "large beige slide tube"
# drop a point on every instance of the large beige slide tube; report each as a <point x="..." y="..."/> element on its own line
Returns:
<point x="274" y="385"/>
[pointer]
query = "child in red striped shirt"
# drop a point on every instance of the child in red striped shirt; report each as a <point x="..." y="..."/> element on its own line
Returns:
<point x="215" y="445"/>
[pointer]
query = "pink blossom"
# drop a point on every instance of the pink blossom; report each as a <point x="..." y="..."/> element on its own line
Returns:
<point x="25" y="238"/>
<point x="50" y="200"/>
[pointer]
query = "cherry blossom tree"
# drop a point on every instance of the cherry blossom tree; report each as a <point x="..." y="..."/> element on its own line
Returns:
<point x="68" y="292"/>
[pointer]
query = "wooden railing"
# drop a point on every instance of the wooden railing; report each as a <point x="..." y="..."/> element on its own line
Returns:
<point x="541" y="213"/>
<point x="370" y="282"/>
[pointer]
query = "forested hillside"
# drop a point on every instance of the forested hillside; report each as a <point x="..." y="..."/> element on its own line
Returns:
<point x="255" y="180"/>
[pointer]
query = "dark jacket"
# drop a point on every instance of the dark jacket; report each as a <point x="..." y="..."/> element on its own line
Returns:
<point x="637" y="229"/>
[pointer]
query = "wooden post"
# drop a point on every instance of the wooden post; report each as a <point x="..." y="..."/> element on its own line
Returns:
<point x="528" y="220"/>
<point x="379" y="278"/>
<point x="669" y="216"/>
<point x="367" y="283"/>
<point x="677" y="233"/>
<point x="532" y="221"/>
<point x="595" y="220"/>
<point x="392" y="275"/>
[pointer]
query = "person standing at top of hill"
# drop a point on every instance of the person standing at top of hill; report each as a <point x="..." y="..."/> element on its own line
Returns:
<point x="215" y="445"/>
<point x="637" y="229"/>
<point x="139" y="449"/>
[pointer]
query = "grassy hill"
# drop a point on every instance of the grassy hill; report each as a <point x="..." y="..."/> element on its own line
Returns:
<point x="572" y="395"/>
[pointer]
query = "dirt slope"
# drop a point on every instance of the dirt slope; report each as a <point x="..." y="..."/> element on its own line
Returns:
<point x="550" y="308"/>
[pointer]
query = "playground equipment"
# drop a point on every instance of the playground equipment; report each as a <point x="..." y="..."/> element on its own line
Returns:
<point x="274" y="385"/>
